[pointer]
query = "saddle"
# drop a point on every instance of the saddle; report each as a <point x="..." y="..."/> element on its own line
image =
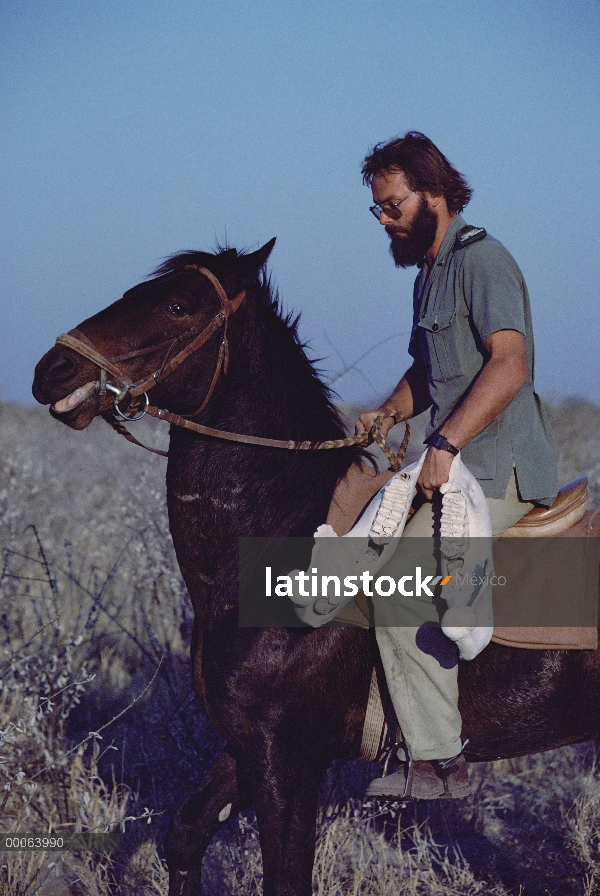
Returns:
<point x="566" y="517"/>
<point x="568" y="508"/>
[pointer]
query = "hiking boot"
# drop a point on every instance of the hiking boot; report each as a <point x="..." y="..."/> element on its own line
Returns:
<point x="424" y="780"/>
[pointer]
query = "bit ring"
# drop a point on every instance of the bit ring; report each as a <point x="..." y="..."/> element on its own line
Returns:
<point x="138" y="415"/>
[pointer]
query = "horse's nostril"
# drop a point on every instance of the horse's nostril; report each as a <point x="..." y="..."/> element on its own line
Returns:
<point x="62" y="370"/>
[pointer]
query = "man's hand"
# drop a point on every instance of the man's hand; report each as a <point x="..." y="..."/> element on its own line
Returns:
<point x="435" y="471"/>
<point x="366" y="421"/>
<point x="401" y="402"/>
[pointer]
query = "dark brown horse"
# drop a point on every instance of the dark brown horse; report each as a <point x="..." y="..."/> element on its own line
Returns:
<point x="287" y="700"/>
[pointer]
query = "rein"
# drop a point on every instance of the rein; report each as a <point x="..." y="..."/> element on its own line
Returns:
<point x="79" y="342"/>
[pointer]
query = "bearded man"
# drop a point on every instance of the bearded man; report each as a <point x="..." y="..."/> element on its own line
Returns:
<point x="472" y="346"/>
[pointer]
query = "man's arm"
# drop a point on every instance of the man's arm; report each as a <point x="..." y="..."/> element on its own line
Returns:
<point x="500" y="379"/>
<point x="409" y="398"/>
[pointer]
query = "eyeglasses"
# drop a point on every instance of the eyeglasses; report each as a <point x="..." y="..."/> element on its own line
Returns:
<point x="391" y="208"/>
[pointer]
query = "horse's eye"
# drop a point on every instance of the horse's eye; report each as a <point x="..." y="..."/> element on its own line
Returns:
<point x="177" y="309"/>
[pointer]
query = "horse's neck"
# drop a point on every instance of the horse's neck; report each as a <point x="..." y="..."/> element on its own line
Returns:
<point x="218" y="491"/>
<point x="245" y="490"/>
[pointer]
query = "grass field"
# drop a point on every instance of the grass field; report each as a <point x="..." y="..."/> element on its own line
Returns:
<point x="100" y="728"/>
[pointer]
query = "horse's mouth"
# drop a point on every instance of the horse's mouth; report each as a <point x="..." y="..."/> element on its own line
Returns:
<point x="78" y="408"/>
<point x="74" y="399"/>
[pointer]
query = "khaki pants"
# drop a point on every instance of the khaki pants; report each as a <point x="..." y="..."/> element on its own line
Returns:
<point x="420" y="663"/>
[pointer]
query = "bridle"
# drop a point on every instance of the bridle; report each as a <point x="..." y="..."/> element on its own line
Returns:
<point x="80" y="343"/>
<point x="121" y="389"/>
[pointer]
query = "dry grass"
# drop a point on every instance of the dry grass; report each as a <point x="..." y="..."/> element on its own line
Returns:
<point x="96" y="702"/>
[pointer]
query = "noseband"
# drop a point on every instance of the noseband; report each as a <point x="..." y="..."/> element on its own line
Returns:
<point x="122" y="388"/>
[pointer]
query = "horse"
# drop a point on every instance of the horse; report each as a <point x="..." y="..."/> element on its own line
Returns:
<point x="287" y="700"/>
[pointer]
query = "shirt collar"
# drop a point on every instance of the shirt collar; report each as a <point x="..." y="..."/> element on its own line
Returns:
<point x="456" y="224"/>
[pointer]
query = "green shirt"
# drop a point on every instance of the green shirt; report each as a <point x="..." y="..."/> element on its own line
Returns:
<point x="470" y="293"/>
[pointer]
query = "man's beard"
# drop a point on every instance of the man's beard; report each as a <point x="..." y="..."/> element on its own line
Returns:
<point x="409" y="248"/>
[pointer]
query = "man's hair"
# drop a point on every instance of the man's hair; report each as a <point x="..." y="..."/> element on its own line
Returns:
<point x="423" y="165"/>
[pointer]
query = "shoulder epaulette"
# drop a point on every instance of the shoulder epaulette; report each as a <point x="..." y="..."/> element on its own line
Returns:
<point x="468" y="235"/>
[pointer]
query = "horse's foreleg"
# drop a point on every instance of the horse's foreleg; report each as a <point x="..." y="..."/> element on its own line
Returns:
<point x="286" y="811"/>
<point x="196" y="822"/>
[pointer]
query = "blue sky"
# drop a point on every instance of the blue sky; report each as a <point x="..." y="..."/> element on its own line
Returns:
<point x="130" y="131"/>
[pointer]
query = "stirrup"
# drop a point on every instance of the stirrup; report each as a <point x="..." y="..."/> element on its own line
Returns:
<point x="388" y="753"/>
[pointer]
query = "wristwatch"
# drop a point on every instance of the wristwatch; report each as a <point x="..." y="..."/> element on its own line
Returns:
<point x="438" y="441"/>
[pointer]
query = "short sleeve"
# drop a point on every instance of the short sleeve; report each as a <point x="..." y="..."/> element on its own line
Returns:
<point x="494" y="288"/>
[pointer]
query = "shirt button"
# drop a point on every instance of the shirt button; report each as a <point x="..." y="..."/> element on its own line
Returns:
<point x="435" y="328"/>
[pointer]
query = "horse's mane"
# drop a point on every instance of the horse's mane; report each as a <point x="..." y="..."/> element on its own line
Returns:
<point x="283" y="326"/>
<point x="268" y="294"/>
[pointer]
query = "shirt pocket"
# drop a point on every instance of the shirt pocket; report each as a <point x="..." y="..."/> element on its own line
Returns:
<point x="441" y="334"/>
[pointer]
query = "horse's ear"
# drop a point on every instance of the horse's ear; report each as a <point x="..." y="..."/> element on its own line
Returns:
<point x="248" y="266"/>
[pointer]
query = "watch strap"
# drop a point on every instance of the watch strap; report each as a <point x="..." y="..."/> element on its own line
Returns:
<point x="439" y="441"/>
